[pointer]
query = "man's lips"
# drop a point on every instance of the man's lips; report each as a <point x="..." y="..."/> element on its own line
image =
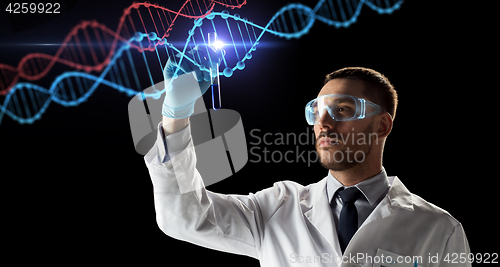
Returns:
<point x="325" y="141"/>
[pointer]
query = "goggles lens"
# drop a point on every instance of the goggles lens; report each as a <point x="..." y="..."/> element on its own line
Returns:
<point x="340" y="108"/>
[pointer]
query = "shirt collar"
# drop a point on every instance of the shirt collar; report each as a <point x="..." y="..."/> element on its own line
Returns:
<point x="372" y="188"/>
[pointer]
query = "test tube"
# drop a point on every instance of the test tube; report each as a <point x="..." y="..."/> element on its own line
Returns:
<point x="214" y="73"/>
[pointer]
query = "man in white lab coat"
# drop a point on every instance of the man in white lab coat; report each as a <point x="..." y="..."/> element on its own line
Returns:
<point x="382" y="224"/>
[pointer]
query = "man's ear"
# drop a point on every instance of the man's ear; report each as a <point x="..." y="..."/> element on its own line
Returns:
<point x="384" y="125"/>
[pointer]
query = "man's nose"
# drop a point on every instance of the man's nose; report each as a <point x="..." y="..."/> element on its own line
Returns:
<point x="326" y="121"/>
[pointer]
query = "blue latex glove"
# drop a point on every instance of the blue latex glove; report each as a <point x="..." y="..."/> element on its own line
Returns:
<point x="191" y="83"/>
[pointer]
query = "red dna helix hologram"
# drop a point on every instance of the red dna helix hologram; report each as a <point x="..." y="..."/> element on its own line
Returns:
<point x="90" y="45"/>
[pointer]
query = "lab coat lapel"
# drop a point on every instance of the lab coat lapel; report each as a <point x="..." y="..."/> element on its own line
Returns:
<point x="398" y="196"/>
<point x="317" y="210"/>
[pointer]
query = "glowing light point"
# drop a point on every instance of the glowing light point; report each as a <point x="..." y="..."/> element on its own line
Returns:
<point x="218" y="44"/>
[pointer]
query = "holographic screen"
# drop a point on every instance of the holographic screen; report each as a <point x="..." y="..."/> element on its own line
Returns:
<point x="131" y="57"/>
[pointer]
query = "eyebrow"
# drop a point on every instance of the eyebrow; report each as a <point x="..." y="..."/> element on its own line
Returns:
<point x="341" y="100"/>
<point x="338" y="100"/>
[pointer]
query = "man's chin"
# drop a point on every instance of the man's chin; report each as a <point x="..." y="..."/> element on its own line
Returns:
<point x="338" y="166"/>
<point x="336" y="159"/>
<point x="331" y="149"/>
<point x="329" y="153"/>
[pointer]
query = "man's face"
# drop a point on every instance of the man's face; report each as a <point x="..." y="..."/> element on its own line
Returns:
<point x="342" y="145"/>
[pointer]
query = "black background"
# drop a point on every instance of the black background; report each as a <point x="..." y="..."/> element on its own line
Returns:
<point x="74" y="189"/>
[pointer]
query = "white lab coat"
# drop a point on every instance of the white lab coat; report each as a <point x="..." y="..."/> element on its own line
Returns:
<point x="292" y="225"/>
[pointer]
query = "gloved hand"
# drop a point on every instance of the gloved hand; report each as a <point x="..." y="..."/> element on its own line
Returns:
<point x="185" y="89"/>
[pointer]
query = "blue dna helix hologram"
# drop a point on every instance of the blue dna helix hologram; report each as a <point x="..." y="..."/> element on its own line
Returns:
<point x="26" y="102"/>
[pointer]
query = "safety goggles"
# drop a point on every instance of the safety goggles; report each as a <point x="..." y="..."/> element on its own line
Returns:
<point x="340" y="108"/>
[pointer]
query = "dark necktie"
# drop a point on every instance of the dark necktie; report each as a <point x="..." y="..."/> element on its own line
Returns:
<point x="348" y="221"/>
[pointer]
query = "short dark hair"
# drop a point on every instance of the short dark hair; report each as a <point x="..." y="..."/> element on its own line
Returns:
<point x="378" y="89"/>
